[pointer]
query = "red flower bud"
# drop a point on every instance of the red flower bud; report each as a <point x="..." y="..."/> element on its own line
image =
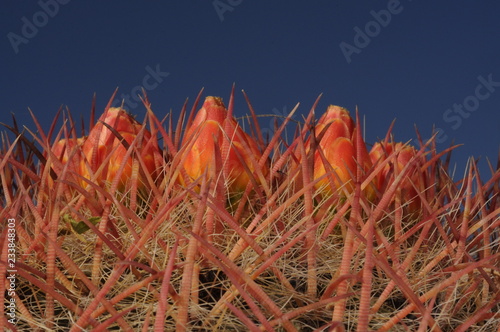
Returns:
<point x="405" y="154"/>
<point x="212" y="127"/>
<point x="339" y="148"/>
<point x="63" y="150"/>
<point x="103" y="143"/>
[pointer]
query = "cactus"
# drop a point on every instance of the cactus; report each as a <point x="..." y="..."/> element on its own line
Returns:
<point x="130" y="229"/>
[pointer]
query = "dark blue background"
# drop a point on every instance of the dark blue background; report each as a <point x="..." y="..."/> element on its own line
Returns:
<point x="427" y="58"/>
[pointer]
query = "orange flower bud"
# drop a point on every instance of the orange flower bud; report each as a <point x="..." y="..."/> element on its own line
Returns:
<point x="405" y="154"/>
<point x="102" y="142"/>
<point x="62" y="150"/>
<point x="211" y="127"/>
<point x="339" y="148"/>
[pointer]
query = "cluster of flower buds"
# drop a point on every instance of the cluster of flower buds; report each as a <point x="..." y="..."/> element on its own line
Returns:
<point x="214" y="145"/>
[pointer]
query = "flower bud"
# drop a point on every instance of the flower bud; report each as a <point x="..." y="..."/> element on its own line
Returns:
<point x="337" y="133"/>
<point x="63" y="150"/>
<point x="384" y="179"/>
<point x="212" y="127"/>
<point x="102" y="143"/>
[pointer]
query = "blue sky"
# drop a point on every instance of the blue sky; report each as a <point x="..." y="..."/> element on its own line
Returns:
<point x="422" y="63"/>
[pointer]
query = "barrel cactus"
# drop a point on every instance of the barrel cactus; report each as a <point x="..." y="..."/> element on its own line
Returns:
<point x="128" y="227"/>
